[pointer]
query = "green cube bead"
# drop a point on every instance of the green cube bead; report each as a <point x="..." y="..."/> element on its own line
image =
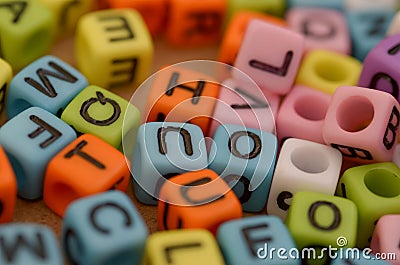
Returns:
<point x="272" y="7"/>
<point x="27" y="31"/>
<point x="375" y="189"/>
<point x="317" y="220"/>
<point x="100" y="112"/>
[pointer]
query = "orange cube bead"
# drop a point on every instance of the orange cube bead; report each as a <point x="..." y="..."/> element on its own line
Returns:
<point x="235" y="31"/>
<point x="175" y="97"/>
<point x="8" y="188"/>
<point x="154" y="12"/>
<point x="85" y="167"/>
<point x="198" y="199"/>
<point x="195" y="23"/>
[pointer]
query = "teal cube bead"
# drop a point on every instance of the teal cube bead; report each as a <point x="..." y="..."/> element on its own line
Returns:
<point x="331" y="4"/>
<point x="29" y="244"/>
<point x="163" y="150"/>
<point x="249" y="241"/>
<point x="104" y="229"/>
<point x="48" y="83"/>
<point x="245" y="158"/>
<point x="30" y="140"/>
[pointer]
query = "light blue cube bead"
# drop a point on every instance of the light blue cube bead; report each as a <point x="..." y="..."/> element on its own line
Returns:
<point x="162" y="150"/>
<point x="48" y="83"/>
<point x="367" y="28"/>
<point x="30" y="140"/>
<point x="250" y="240"/>
<point x="28" y="244"/>
<point x="355" y="256"/>
<point x="104" y="229"/>
<point x="245" y="159"/>
<point x="331" y="4"/>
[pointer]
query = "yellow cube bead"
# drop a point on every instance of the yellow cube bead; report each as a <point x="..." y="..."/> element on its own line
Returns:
<point x="67" y="13"/>
<point x="326" y="70"/>
<point x="27" y="31"/>
<point x="6" y="75"/>
<point x="113" y="48"/>
<point x="182" y="247"/>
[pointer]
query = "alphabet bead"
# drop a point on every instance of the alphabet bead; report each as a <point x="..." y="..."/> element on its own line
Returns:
<point x="48" y="83"/>
<point x="30" y="140"/>
<point x="6" y="75"/>
<point x="272" y="7"/>
<point x="29" y="244"/>
<point x="180" y="247"/>
<point x="104" y="229"/>
<point x="375" y="189"/>
<point x="28" y="28"/>
<point x="245" y="159"/>
<point x="85" y="167"/>
<point x="328" y="4"/>
<point x="362" y="124"/>
<point x="271" y="62"/>
<point x="394" y="27"/>
<point x="302" y="166"/>
<point x="369" y="5"/>
<point x="162" y="151"/>
<point x="385" y="238"/>
<point x="250" y="239"/>
<point x="100" y="112"/>
<point x="113" y="48"/>
<point x="8" y="188"/>
<point x="380" y="65"/>
<point x="326" y="70"/>
<point x="197" y="199"/>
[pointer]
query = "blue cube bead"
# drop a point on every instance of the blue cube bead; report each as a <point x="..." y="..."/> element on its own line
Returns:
<point x="104" y="229"/>
<point x="245" y="158"/>
<point x="163" y="150"/>
<point x="28" y="244"/>
<point x="30" y="140"/>
<point x="249" y="241"/>
<point x="331" y="4"/>
<point x="367" y="28"/>
<point x="48" y="83"/>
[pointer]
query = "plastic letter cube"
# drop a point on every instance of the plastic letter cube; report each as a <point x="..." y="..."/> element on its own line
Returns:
<point x="386" y="236"/>
<point x="249" y="241"/>
<point x="272" y="7"/>
<point x="271" y="62"/>
<point x="320" y="220"/>
<point x="28" y="28"/>
<point x="380" y="65"/>
<point x="367" y="28"/>
<point x="326" y="70"/>
<point x="362" y="124"/>
<point x="394" y="27"/>
<point x="30" y="140"/>
<point x="198" y="199"/>
<point x="6" y="75"/>
<point x="181" y="95"/>
<point x="245" y="104"/>
<point x="302" y="114"/>
<point x="194" y="23"/>
<point x="302" y="166"/>
<point x="375" y="189"/>
<point x="8" y="188"/>
<point x="113" y="48"/>
<point x="29" y="244"/>
<point x="100" y="112"/>
<point x="181" y="247"/>
<point x="104" y="229"/>
<point x="48" y="83"/>
<point x="85" y="167"/>
<point x="235" y="30"/>
<point x="245" y="159"/>
<point x="162" y="151"/>
<point x="322" y="28"/>
<point x="328" y="4"/>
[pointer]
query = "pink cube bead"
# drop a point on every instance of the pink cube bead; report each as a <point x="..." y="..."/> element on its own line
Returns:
<point x="362" y="123"/>
<point x="270" y="55"/>
<point x="381" y="67"/>
<point x="322" y="28"/>
<point x="386" y="237"/>
<point x="302" y="114"/>
<point x="245" y="104"/>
